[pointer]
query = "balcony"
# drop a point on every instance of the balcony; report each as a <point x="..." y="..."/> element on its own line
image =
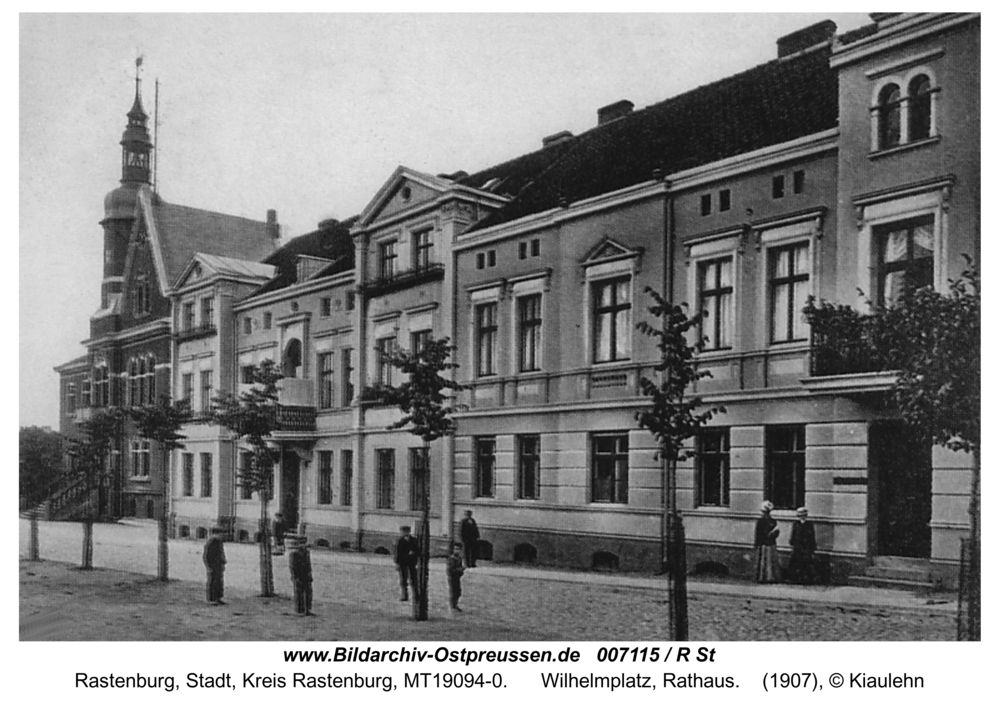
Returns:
<point x="852" y="354"/>
<point x="404" y="280"/>
<point x="297" y="406"/>
<point x="189" y="334"/>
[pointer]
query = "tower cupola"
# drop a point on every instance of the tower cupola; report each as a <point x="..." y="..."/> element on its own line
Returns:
<point x="136" y="144"/>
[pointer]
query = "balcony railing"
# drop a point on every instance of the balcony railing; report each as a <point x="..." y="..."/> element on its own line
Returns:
<point x="403" y="280"/>
<point x="852" y="345"/>
<point x="188" y="334"/>
<point x="296" y="418"/>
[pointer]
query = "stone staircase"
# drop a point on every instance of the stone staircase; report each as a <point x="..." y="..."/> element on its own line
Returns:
<point x="900" y="572"/>
<point x="66" y="503"/>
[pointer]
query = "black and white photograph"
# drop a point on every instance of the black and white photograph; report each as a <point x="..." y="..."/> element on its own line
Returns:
<point x="496" y="328"/>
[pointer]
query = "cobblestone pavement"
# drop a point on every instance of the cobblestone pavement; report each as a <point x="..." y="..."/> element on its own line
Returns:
<point x="357" y="598"/>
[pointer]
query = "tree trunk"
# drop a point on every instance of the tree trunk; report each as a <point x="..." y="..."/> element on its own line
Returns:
<point x="266" y="567"/>
<point x="88" y="544"/>
<point x="973" y="603"/>
<point x="423" y="574"/>
<point x="162" y="547"/>
<point x="33" y="539"/>
<point x="676" y="561"/>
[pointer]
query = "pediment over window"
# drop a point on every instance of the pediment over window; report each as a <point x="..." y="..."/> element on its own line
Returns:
<point x="610" y="250"/>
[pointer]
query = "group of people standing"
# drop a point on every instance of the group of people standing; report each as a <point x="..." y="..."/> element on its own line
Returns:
<point x="801" y="566"/>
<point x="464" y="554"/>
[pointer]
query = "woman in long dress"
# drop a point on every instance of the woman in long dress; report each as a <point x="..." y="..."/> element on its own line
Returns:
<point x="765" y="545"/>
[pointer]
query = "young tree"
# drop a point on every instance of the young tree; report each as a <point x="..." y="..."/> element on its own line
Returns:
<point x="938" y="391"/>
<point x="427" y="405"/>
<point x="673" y="418"/>
<point x="253" y="417"/>
<point x="40" y="466"/>
<point x="162" y="423"/>
<point x="90" y="451"/>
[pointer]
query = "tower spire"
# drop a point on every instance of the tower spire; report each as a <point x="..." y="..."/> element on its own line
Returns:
<point x="136" y="144"/>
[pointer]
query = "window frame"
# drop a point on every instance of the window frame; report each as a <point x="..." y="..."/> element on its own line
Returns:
<point x="718" y="454"/>
<point x="187" y="475"/>
<point x="597" y="311"/>
<point x="486" y="336"/>
<point x="789" y="281"/>
<point x="717" y="293"/>
<point x="904" y="109"/>
<point x="419" y="469"/>
<point x="775" y="455"/>
<point x="423" y="249"/>
<point x="529" y="329"/>
<point x="385" y="479"/>
<point x="327" y="388"/>
<point x="324" y="478"/>
<point x="206" y="387"/>
<point x="246" y="464"/>
<point x="619" y="488"/>
<point x="346" y="477"/>
<point x="206" y="474"/>
<point x="529" y="488"/>
<point x="883" y="269"/>
<point x="485" y="455"/>
<point x="346" y="373"/>
<point x="384" y="348"/>
<point x="388" y="254"/>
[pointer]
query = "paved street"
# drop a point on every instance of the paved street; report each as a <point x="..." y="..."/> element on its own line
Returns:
<point x="356" y="596"/>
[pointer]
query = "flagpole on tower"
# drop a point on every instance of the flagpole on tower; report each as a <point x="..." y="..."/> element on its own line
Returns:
<point x="156" y="133"/>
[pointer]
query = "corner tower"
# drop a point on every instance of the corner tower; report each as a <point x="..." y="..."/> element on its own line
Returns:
<point x="119" y="205"/>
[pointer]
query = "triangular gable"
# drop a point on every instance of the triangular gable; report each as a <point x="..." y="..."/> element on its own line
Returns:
<point x="403" y="190"/>
<point x="609" y="250"/>
<point x="204" y="266"/>
<point x="144" y="228"/>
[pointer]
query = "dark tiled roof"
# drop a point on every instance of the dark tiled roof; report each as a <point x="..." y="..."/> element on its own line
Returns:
<point x="332" y="241"/>
<point x="183" y="231"/>
<point x="513" y="175"/>
<point x="769" y="104"/>
<point x="858" y="34"/>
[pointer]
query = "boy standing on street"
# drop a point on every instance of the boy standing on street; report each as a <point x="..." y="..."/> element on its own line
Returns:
<point x="300" y="564"/>
<point x="455" y="571"/>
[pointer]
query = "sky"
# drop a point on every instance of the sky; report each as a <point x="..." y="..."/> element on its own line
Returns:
<point x="309" y="115"/>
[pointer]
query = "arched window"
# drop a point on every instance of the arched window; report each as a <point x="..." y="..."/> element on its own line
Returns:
<point x="292" y="365"/>
<point x="141" y="399"/>
<point x="889" y="111"/>
<point x="919" y="94"/>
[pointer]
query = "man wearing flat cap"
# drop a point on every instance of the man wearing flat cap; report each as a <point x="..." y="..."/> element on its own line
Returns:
<point x="407" y="554"/>
<point x="801" y="567"/>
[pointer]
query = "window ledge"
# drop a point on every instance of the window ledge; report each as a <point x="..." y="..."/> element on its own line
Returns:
<point x="903" y="148"/>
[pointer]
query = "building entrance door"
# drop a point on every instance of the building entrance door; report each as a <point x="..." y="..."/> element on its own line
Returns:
<point x="901" y="464"/>
<point x="290" y="490"/>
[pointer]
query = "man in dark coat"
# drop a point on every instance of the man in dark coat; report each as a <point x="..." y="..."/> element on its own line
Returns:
<point x="407" y="554"/>
<point x="214" y="558"/>
<point x="470" y="539"/>
<point x="300" y="564"/>
<point x="801" y="567"/>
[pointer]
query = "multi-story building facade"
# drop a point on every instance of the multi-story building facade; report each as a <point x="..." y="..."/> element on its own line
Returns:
<point x="847" y="162"/>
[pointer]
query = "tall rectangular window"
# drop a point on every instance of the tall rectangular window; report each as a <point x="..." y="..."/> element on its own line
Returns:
<point x="346" y="476"/>
<point x="423" y="249"/>
<point x="247" y="325"/>
<point x="712" y="467"/>
<point x="70" y="398"/>
<point x="613" y="320"/>
<point x="486" y="339"/>
<point x="187" y="475"/>
<point x="419" y="480"/>
<point x="325" y="490"/>
<point x="385" y="485"/>
<point x="609" y="467"/>
<point x="485" y="481"/>
<point x="798" y="181"/>
<point x="346" y="375"/>
<point x="778" y="186"/>
<point x="246" y="467"/>
<point x="206" y="475"/>
<point x="789" y="276"/>
<point x="206" y="391"/>
<point x="140" y="453"/>
<point x="387" y="260"/>
<point x="208" y="312"/>
<point x="384" y="348"/>
<point x="905" y="258"/>
<point x="724" y="200"/>
<point x="528" y="466"/>
<point x="187" y="388"/>
<point x="268" y="320"/>
<point x="326" y="380"/>
<point x="715" y="300"/>
<point x="529" y="332"/>
<point x="706" y="204"/>
<point x="325" y="306"/>
<point x="419" y="339"/>
<point x="187" y="318"/>
<point x="785" y="459"/>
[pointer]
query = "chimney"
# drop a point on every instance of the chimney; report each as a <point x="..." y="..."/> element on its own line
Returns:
<point x="556" y="138"/>
<point x="806" y="38"/>
<point x="614" y="111"/>
<point x="273" y="229"/>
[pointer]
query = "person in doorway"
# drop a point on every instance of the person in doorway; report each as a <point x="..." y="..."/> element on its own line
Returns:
<point x="407" y="554"/>
<point x="300" y="565"/>
<point x="469" y="531"/>
<point x="801" y="567"/>
<point x="765" y="545"/>
<point x="279" y="533"/>
<point x="214" y="558"/>
<point x="455" y="571"/>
